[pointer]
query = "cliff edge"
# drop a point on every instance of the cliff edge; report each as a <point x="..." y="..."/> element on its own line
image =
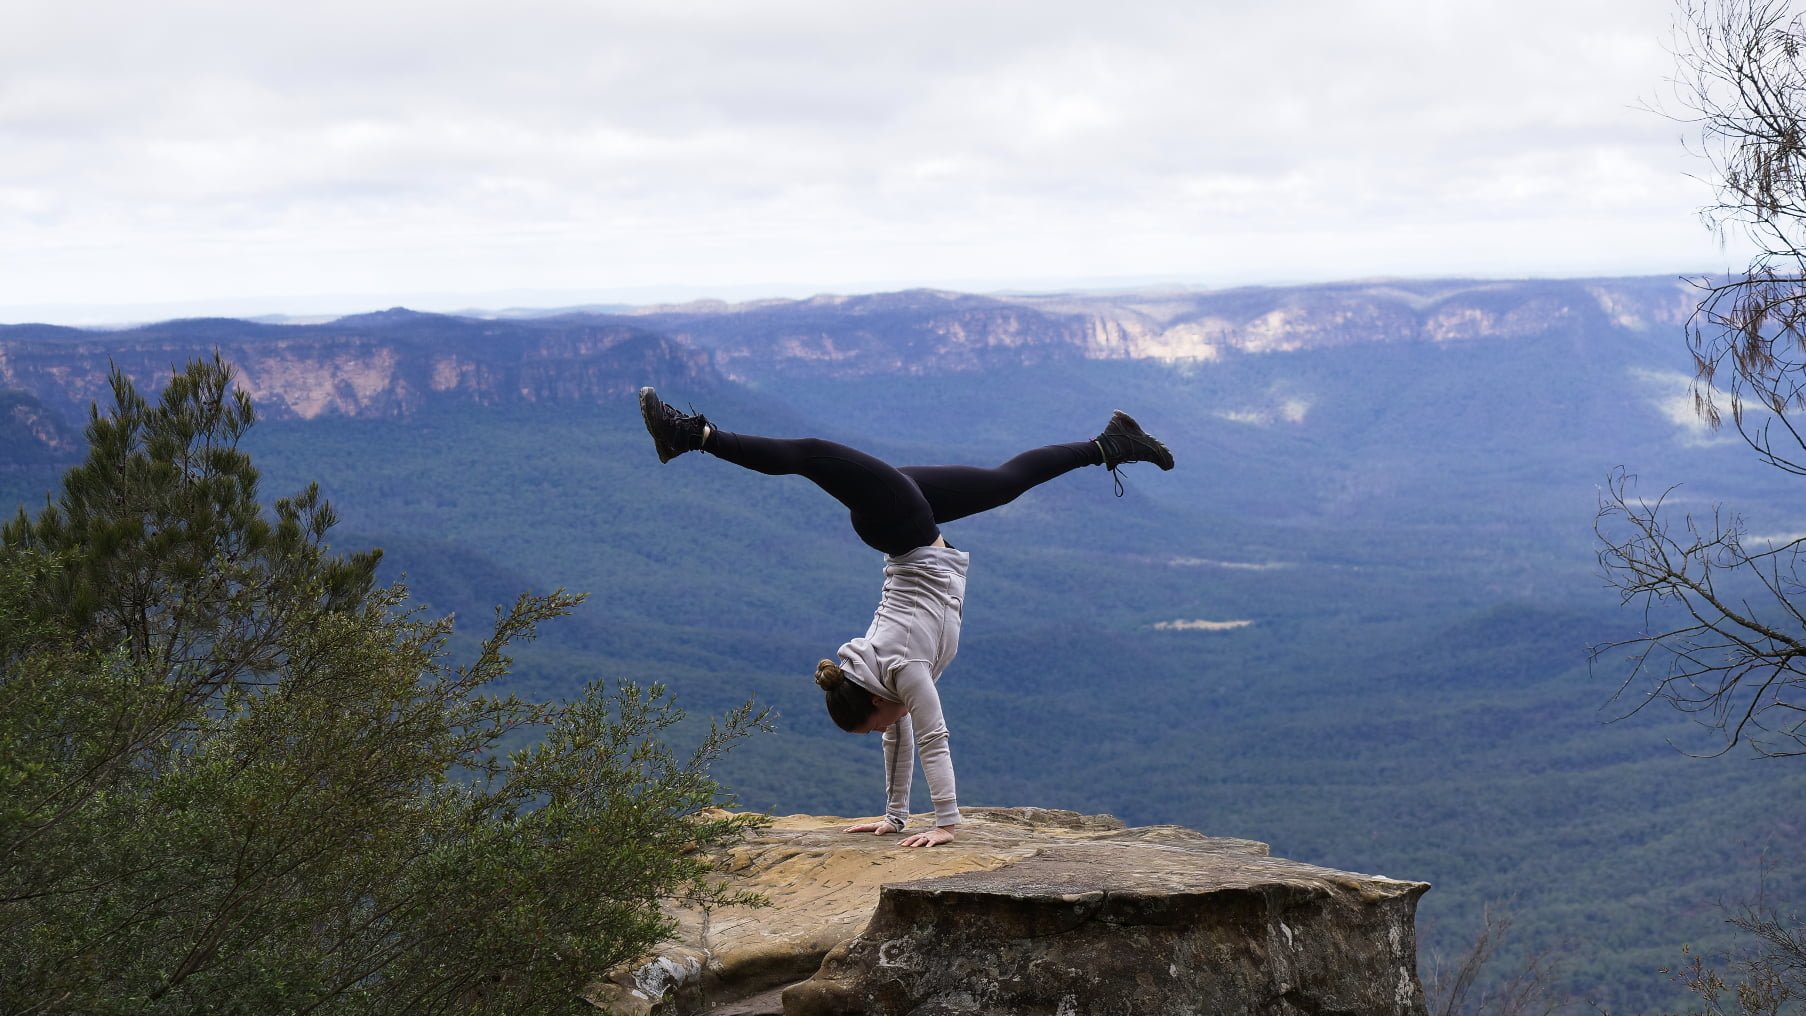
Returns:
<point x="1032" y="911"/>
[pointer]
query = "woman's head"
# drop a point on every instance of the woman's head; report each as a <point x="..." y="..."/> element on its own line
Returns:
<point x="852" y="708"/>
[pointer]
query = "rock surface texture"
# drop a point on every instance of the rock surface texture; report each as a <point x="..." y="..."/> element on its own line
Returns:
<point x="1036" y="912"/>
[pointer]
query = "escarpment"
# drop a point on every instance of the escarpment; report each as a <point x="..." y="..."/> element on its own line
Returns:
<point x="396" y="363"/>
<point x="386" y="365"/>
<point x="1032" y="911"/>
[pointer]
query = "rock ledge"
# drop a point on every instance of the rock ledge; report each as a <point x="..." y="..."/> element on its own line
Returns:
<point x="1033" y="911"/>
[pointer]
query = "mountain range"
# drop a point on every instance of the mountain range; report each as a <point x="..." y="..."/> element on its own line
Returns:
<point x="394" y="363"/>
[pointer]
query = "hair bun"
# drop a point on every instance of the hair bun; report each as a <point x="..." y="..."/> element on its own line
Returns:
<point x="828" y="675"/>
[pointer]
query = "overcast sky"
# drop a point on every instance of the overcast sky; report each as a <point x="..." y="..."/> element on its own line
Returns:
<point x="241" y="156"/>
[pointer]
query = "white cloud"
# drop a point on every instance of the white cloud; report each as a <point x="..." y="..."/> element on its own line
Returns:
<point x="1670" y="392"/>
<point x="195" y="148"/>
<point x="1205" y="562"/>
<point x="1201" y="625"/>
<point x="1758" y="542"/>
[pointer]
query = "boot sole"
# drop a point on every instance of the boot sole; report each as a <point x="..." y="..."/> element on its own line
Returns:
<point x="649" y="412"/>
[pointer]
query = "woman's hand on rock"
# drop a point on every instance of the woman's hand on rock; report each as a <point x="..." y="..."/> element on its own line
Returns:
<point x="931" y="838"/>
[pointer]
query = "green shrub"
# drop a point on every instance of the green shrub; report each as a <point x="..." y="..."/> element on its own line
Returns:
<point x="236" y="776"/>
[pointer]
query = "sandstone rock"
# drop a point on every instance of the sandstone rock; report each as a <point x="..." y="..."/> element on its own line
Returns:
<point x="1033" y="911"/>
<point x="1129" y="926"/>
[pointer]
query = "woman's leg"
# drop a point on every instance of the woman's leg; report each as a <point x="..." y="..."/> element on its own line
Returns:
<point x="888" y="511"/>
<point x="893" y="510"/>
<point x="954" y="492"/>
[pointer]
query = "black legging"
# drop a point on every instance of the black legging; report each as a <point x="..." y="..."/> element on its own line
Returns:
<point x="897" y="510"/>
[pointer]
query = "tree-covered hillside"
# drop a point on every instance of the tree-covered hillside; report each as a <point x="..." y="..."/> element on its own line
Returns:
<point x="1415" y="555"/>
<point x="1406" y="527"/>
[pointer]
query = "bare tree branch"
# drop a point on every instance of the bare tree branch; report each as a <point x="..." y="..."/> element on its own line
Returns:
<point x="1722" y="639"/>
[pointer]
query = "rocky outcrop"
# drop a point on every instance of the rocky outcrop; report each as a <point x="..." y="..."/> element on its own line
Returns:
<point x="1033" y="912"/>
<point x="918" y="331"/>
<point x="1204" y="326"/>
<point x="928" y="331"/>
<point x="389" y="364"/>
<point x="31" y="433"/>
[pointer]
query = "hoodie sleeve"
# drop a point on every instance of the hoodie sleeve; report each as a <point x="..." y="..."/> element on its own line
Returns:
<point x="915" y="687"/>
<point x="899" y="766"/>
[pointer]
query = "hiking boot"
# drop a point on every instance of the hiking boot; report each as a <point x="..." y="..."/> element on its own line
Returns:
<point x="673" y="433"/>
<point x="1123" y="440"/>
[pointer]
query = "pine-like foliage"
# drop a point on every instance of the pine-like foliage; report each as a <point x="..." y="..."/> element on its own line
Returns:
<point x="237" y="776"/>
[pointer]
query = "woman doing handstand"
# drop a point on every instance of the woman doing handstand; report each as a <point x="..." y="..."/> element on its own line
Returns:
<point x="885" y="679"/>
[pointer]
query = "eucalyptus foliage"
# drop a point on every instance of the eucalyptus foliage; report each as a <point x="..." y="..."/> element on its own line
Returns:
<point x="1723" y="636"/>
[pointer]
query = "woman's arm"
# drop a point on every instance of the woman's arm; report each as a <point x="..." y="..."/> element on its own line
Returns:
<point x="915" y="686"/>
<point x="899" y="767"/>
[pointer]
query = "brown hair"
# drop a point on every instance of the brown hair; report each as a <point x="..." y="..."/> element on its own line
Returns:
<point x="849" y="705"/>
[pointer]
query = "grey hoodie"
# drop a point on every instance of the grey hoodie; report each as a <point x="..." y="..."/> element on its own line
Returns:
<point x="914" y="635"/>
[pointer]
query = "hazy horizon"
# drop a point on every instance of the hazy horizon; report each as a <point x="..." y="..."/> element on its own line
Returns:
<point x="105" y="315"/>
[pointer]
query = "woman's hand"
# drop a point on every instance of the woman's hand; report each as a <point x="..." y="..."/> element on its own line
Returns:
<point x="932" y="838"/>
<point x="881" y="827"/>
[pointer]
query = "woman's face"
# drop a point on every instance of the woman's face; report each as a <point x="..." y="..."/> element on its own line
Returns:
<point x="884" y="713"/>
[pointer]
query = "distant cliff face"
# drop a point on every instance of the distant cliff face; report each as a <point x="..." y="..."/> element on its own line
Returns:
<point x="30" y="432"/>
<point x="926" y="332"/>
<point x="915" y="332"/>
<point x="374" y="365"/>
<point x="396" y="362"/>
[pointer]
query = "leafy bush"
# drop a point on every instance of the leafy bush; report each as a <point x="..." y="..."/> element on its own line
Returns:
<point x="237" y="776"/>
<point x="1768" y="978"/>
